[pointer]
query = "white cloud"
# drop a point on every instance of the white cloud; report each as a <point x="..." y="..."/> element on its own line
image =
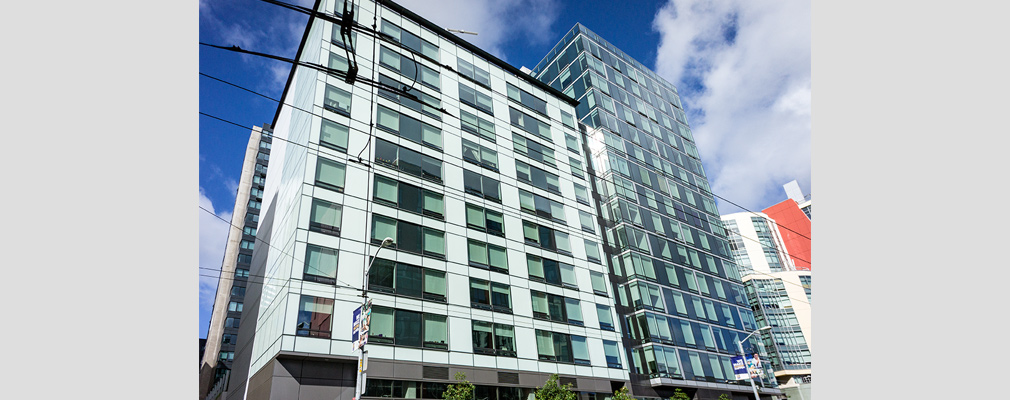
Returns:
<point x="495" y="21"/>
<point x="751" y="117"/>
<point x="213" y="237"/>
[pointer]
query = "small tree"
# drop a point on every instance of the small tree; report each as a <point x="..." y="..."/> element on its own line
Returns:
<point x="622" y="394"/>
<point x="725" y="396"/>
<point x="461" y="390"/>
<point x="679" y="395"/>
<point x="552" y="391"/>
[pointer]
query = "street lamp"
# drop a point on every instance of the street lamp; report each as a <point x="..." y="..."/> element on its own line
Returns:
<point x="739" y="345"/>
<point x="364" y="300"/>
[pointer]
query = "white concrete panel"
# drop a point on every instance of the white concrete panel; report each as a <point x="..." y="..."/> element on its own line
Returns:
<point x="596" y="354"/>
<point x="549" y="367"/>
<point x="407" y="354"/>
<point x="434" y="357"/>
<point x="528" y="349"/>
<point x="342" y="348"/>
<point x="312" y="345"/>
<point x="507" y="363"/>
<point x="484" y="361"/>
<point x="460" y="332"/>
<point x="287" y="343"/>
<point x="380" y="351"/>
<point x="461" y="359"/>
<point x="528" y="365"/>
<point x="522" y="304"/>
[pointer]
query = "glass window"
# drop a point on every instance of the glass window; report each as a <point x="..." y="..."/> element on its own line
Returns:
<point x="330" y="174"/>
<point x="573" y="309"/>
<point x="381" y="275"/>
<point x="436" y="334"/>
<point x="483" y="337"/>
<point x="320" y="264"/>
<point x="580" y="350"/>
<point x="434" y="285"/>
<point x="592" y="251"/>
<point x="586" y="219"/>
<point x="540" y="307"/>
<point x="380" y="328"/>
<point x="333" y="135"/>
<point x="605" y="317"/>
<point x="612" y="354"/>
<point x="504" y="339"/>
<point x="475" y="98"/>
<point x="337" y="100"/>
<point x="528" y="123"/>
<point x="408" y="161"/>
<point x="410" y="40"/>
<point x="325" y="217"/>
<point x="599" y="283"/>
<point x="480" y="155"/>
<point x="572" y="143"/>
<point x="409" y="128"/>
<point x="545" y="345"/>
<point x="407" y="327"/>
<point x="476" y="125"/>
<point x="581" y="194"/>
<point x="315" y="317"/>
<point x="568" y="275"/>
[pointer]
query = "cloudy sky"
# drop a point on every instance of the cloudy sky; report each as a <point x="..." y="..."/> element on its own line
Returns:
<point x="742" y="69"/>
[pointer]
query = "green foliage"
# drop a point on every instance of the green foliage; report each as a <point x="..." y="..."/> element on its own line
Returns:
<point x="552" y="391"/>
<point x="622" y="394"/>
<point x="725" y="396"/>
<point x="679" y="395"/>
<point x="461" y="390"/>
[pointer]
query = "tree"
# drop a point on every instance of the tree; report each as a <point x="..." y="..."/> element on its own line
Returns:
<point x="622" y="394"/>
<point x="679" y="395"/>
<point x="552" y="391"/>
<point x="725" y="396"/>
<point x="461" y="390"/>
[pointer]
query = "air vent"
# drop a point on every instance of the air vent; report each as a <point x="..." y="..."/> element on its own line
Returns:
<point x="435" y="372"/>
<point x="508" y="377"/>
<point x="564" y="381"/>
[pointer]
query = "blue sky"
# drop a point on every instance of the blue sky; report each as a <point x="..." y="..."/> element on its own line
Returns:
<point x="742" y="69"/>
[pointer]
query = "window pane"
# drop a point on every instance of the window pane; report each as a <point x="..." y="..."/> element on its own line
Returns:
<point x="435" y="333"/>
<point x="381" y="274"/>
<point x="380" y="328"/>
<point x="320" y="261"/>
<point x="475" y="216"/>
<point x="408" y="328"/>
<point x="599" y="284"/>
<point x="535" y="266"/>
<point x="562" y="347"/>
<point x="604" y="315"/>
<point x="434" y="282"/>
<point x="433" y="203"/>
<point x="495" y="222"/>
<point x="611" y="353"/>
<point x="500" y="296"/>
<point x="540" y="303"/>
<point x="477" y="252"/>
<point x="574" y="310"/>
<point x="497" y="257"/>
<point x="408" y="280"/>
<point x="480" y="291"/>
<point x="333" y="134"/>
<point x="580" y="350"/>
<point x="504" y="339"/>
<point x="482" y="335"/>
<point x="386" y="189"/>
<point x="568" y="274"/>
<point x="545" y="345"/>
<point x="330" y="174"/>
<point x="337" y="100"/>
<point x="409" y="198"/>
<point x="325" y="215"/>
<point x="314" y="316"/>
<point x="431" y="169"/>
<point x="408" y="237"/>
<point x="382" y="227"/>
<point x="592" y="250"/>
<point x="434" y="242"/>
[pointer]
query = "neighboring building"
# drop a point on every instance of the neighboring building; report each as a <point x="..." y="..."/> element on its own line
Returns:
<point x="497" y="270"/>
<point x="778" y="291"/>
<point x="793" y="218"/>
<point x="219" y="353"/>
<point x="679" y="295"/>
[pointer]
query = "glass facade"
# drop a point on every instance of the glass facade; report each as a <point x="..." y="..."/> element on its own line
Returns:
<point x="678" y="291"/>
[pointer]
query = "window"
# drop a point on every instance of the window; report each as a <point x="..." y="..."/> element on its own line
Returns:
<point x="238" y="290"/>
<point x="586" y="219"/>
<point x="488" y="256"/>
<point x="227" y="355"/>
<point x="408" y="328"/>
<point x="231" y="322"/>
<point x="408" y="67"/>
<point x="255" y="204"/>
<point x="406" y="280"/>
<point x="244" y="258"/>
<point x="485" y="220"/>
<point x="259" y="180"/>
<point x="333" y="135"/>
<point x="567" y="119"/>
<point x="480" y="155"/>
<point x="556" y="308"/>
<point x="605" y="317"/>
<point x="611" y="353"/>
<point x="408" y="161"/>
<point x="546" y="238"/>
<point x="229" y="339"/>
<point x="476" y="125"/>
<point x="528" y="123"/>
<point x="576" y="166"/>
<point x="493" y="339"/>
<point x="538" y="177"/>
<point x="533" y="150"/>
<point x="599" y="283"/>
<point x="550" y="271"/>
<point x="338" y="62"/>
<point x="490" y="296"/>
<point x="241" y="272"/>
<point x="592" y="251"/>
<point x="552" y="346"/>
<point x="572" y="142"/>
<point x="477" y="74"/>
<point x="408" y="197"/>
<point x="330" y="174"/>
<point x="581" y="194"/>
<point x="264" y="145"/>
<point x="320" y="264"/>
<point x="315" y="317"/>
<point x="525" y="98"/>
<point x="235" y="306"/>
<point x="263" y="156"/>
<point x="416" y="100"/>
<point x="580" y="350"/>
<point x="408" y="128"/>
<point x="475" y="98"/>
<point x="325" y="217"/>
<point x="247" y="244"/>
<point x="541" y="206"/>
<point x="410" y="40"/>
<point x="337" y="100"/>
<point x="481" y="185"/>
<point x="409" y="237"/>
<point x="256" y="192"/>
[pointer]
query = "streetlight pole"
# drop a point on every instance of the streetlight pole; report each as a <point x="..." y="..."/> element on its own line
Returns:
<point x="739" y="345"/>
<point x="360" y="382"/>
